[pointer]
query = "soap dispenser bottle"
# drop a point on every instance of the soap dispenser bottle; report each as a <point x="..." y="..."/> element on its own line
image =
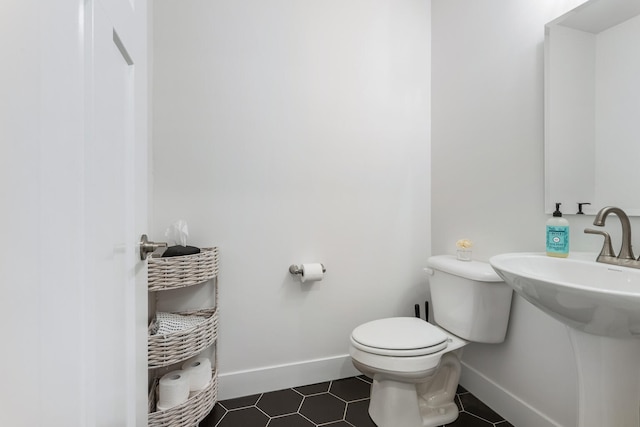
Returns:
<point x="557" y="235"/>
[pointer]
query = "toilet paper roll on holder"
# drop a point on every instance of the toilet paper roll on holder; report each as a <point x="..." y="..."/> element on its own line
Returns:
<point x="294" y="269"/>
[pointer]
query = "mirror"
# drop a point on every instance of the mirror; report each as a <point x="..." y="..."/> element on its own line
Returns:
<point x="592" y="107"/>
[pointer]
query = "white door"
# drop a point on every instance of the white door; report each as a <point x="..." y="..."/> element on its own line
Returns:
<point x="72" y="203"/>
<point x="115" y="214"/>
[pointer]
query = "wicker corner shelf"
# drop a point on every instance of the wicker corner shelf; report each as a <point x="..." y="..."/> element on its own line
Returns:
<point x="187" y="414"/>
<point x="165" y="350"/>
<point x="181" y="271"/>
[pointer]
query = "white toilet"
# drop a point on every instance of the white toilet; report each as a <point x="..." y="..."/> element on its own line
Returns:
<point x="414" y="365"/>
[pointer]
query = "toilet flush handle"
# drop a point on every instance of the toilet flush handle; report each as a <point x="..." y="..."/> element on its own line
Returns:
<point x="429" y="271"/>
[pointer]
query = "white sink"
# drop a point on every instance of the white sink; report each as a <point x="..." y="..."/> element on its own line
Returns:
<point x="593" y="297"/>
<point x="600" y="305"/>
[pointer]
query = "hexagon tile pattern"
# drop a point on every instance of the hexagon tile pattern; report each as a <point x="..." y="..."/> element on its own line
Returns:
<point x="339" y="403"/>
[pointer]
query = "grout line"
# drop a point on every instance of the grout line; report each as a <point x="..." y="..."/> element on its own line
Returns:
<point x="258" y="399"/>
<point x="338" y="397"/>
<point x="316" y="394"/>
<point x="305" y="417"/>
<point x="363" y="380"/>
<point x="301" y="403"/>
<point x="479" y="417"/>
<point x="222" y="417"/>
<point x="358" y="400"/>
<point x="344" y="413"/>
<point x="258" y="408"/>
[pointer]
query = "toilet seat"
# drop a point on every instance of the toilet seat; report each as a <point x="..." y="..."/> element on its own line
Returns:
<point x="399" y="336"/>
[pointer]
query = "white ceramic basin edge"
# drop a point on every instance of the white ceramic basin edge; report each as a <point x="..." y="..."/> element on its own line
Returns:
<point x="596" y="298"/>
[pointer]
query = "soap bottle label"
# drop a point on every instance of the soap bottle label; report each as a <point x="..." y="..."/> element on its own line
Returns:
<point x="558" y="239"/>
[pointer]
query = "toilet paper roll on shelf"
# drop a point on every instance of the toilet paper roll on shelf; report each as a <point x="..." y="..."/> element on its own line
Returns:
<point x="173" y="389"/>
<point x="313" y="272"/>
<point x="199" y="372"/>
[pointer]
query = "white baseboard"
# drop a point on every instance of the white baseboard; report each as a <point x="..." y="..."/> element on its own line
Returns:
<point x="510" y="407"/>
<point x="271" y="378"/>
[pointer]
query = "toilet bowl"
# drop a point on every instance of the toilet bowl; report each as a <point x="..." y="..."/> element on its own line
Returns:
<point x="406" y="354"/>
<point x="414" y="364"/>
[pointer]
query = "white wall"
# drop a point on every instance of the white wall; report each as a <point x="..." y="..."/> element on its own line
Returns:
<point x="289" y="132"/>
<point x="487" y="185"/>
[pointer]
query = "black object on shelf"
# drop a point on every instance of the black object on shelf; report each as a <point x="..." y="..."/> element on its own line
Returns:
<point x="180" y="250"/>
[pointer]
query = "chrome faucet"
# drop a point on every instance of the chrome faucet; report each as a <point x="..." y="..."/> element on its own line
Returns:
<point x="625" y="257"/>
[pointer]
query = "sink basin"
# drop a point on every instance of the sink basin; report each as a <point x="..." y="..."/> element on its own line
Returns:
<point x="596" y="298"/>
<point x="600" y="306"/>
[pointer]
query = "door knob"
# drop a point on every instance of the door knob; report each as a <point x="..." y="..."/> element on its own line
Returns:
<point x="147" y="247"/>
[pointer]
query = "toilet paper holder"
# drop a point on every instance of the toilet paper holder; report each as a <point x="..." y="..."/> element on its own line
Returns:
<point x="294" y="269"/>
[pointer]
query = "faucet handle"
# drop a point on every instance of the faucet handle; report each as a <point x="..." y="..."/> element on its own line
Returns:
<point x="607" y="249"/>
<point x="580" y="208"/>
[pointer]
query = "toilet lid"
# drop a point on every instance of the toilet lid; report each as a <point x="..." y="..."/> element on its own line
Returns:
<point x="399" y="336"/>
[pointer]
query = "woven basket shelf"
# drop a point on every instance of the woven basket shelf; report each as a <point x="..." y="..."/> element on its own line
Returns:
<point x="187" y="414"/>
<point x="181" y="271"/>
<point x="165" y="350"/>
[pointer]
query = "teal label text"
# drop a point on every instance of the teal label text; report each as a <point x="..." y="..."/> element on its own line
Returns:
<point x="558" y="238"/>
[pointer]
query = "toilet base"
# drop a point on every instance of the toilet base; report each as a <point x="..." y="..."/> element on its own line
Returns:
<point x="409" y="409"/>
<point x="445" y="414"/>
<point x="427" y="402"/>
<point x="402" y="397"/>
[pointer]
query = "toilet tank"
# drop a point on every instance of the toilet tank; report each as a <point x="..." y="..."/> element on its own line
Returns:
<point x="469" y="299"/>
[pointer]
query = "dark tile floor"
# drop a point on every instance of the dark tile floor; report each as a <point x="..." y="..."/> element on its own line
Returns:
<point x="339" y="403"/>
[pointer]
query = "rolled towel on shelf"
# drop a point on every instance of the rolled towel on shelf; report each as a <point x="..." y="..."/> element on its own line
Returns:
<point x="153" y="326"/>
<point x="166" y="323"/>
